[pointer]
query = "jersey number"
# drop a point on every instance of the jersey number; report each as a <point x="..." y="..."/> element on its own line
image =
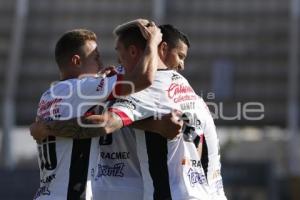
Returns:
<point x="106" y="140"/>
<point x="47" y="154"/>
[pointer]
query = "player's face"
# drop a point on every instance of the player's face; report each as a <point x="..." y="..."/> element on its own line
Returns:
<point x="125" y="56"/>
<point x="175" y="57"/>
<point x="91" y="61"/>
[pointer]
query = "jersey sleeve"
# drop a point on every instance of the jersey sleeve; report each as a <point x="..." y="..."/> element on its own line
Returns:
<point x="214" y="176"/>
<point x="98" y="89"/>
<point x="135" y="107"/>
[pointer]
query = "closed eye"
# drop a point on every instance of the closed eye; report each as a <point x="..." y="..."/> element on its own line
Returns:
<point x="182" y="56"/>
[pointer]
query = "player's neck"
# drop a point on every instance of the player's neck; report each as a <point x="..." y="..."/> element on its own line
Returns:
<point x="161" y="64"/>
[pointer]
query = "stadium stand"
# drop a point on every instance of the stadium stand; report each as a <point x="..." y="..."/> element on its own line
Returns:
<point x="46" y="22"/>
<point x="252" y="36"/>
<point x="6" y="20"/>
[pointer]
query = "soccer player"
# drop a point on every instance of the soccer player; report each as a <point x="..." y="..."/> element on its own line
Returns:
<point x="64" y="162"/>
<point x="208" y="145"/>
<point x="175" y="170"/>
<point x="171" y="168"/>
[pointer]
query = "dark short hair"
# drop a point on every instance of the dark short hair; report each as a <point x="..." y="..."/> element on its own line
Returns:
<point x="172" y="35"/>
<point x="131" y="35"/>
<point x="70" y="43"/>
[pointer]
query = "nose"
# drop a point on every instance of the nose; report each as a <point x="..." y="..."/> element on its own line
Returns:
<point x="181" y="66"/>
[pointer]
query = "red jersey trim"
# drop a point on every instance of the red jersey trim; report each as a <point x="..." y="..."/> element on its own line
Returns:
<point x="124" y="117"/>
<point x="117" y="88"/>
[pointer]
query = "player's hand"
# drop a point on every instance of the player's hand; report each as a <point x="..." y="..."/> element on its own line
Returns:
<point x="171" y="124"/>
<point x="38" y="131"/>
<point x="144" y="22"/>
<point x="108" y="71"/>
<point x="150" y="31"/>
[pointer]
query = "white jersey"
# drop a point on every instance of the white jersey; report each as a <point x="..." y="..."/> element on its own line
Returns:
<point x="210" y="158"/>
<point x="64" y="162"/>
<point x="117" y="174"/>
<point x="171" y="169"/>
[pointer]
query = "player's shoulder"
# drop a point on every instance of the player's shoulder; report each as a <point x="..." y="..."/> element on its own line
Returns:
<point x="166" y="75"/>
<point x="203" y="107"/>
<point x="58" y="88"/>
<point x="64" y="87"/>
<point x="172" y="75"/>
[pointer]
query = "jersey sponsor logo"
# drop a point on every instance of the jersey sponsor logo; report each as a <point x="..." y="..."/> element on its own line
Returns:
<point x="100" y="86"/>
<point x="106" y="170"/>
<point x="115" y="155"/>
<point x="175" y="77"/>
<point x="126" y="103"/>
<point x="178" y="89"/>
<point x="48" y="179"/>
<point x="187" y="106"/>
<point x="48" y="108"/>
<point x="44" y="190"/>
<point x="191" y="162"/>
<point x="196" y="177"/>
<point x="46" y="105"/>
<point x="195" y="173"/>
<point x="180" y="92"/>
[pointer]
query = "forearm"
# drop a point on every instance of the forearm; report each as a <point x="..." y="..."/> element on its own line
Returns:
<point x="72" y="129"/>
<point x="169" y="126"/>
<point x="146" y="125"/>
<point x="143" y="74"/>
<point x="148" y="64"/>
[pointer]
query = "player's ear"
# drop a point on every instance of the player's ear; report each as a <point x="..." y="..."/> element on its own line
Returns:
<point x="163" y="50"/>
<point x="133" y="51"/>
<point x="76" y="60"/>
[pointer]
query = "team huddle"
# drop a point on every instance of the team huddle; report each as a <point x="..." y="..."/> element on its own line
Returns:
<point x="137" y="131"/>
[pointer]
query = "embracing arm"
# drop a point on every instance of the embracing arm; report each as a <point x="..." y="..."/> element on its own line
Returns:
<point x="169" y="126"/>
<point x="77" y="128"/>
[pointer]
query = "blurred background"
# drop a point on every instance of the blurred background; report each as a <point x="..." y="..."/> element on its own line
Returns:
<point x="243" y="60"/>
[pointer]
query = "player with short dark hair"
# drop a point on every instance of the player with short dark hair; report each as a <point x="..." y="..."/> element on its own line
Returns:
<point x="172" y="36"/>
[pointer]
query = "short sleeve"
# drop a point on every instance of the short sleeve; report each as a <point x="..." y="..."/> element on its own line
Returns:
<point x="135" y="107"/>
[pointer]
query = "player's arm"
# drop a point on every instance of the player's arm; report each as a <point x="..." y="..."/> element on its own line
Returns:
<point x="77" y="128"/>
<point x="143" y="74"/>
<point x="169" y="126"/>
